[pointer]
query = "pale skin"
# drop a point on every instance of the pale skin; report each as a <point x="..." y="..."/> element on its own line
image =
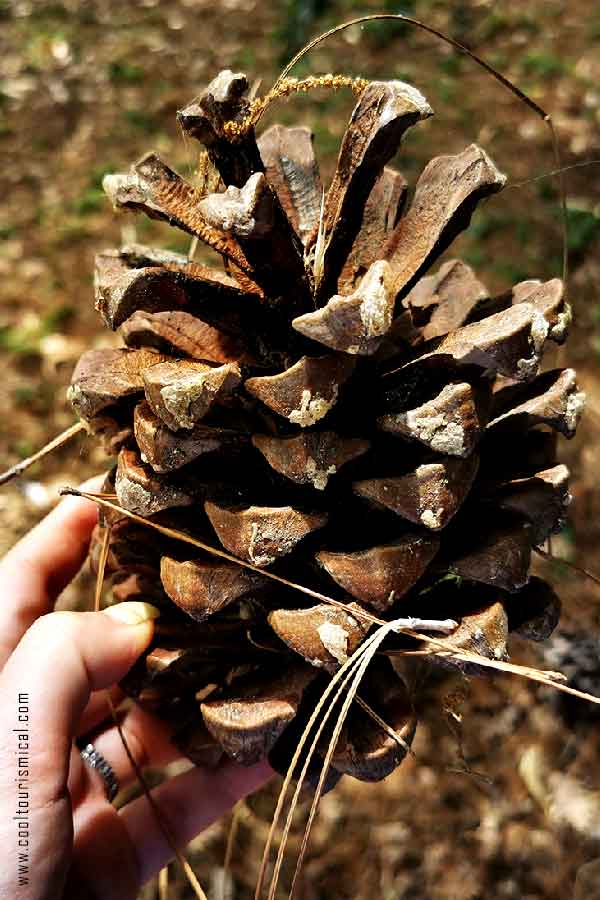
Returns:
<point x="79" y="844"/>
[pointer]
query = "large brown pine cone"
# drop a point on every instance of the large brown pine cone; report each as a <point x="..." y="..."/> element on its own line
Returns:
<point x="324" y="409"/>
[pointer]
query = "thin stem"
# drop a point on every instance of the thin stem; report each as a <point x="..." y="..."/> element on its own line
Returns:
<point x="214" y="551"/>
<point x="498" y="76"/>
<point x="163" y="884"/>
<point x="399" y="17"/>
<point x="563" y="198"/>
<point x="442" y="626"/>
<point x="354" y="667"/>
<point x="233" y="830"/>
<point x="436" y="646"/>
<point x="551" y="173"/>
<point x="384" y="726"/>
<point x="168" y="836"/>
<point x="343" y="674"/>
<point x="104" y="548"/>
<point x="565" y="562"/>
<point x="362" y="668"/>
<point x="54" y="444"/>
<point x="189" y="872"/>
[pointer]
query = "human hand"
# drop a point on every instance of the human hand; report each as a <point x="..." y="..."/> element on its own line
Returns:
<point x="55" y="667"/>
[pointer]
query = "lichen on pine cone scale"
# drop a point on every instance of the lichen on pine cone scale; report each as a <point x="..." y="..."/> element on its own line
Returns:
<point x="326" y="408"/>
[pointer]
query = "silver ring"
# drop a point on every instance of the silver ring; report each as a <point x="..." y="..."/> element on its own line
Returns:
<point x="94" y="758"/>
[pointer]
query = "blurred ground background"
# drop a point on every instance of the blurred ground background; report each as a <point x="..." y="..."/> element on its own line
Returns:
<point x="86" y="88"/>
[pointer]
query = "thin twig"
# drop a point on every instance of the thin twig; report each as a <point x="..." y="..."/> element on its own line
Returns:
<point x="104" y="548"/>
<point x="437" y="647"/>
<point x="234" y="825"/>
<point x="563" y="199"/>
<point x="54" y="444"/>
<point x="163" y="884"/>
<point x="214" y="551"/>
<point x="189" y="872"/>
<point x="340" y="680"/>
<point x="565" y="562"/>
<point x="411" y="623"/>
<point x="166" y="831"/>
<point x="494" y="73"/>
<point x="362" y="668"/>
<point x="579" y="165"/>
<point x="342" y="675"/>
<point x="399" y="17"/>
<point x="384" y="725"/>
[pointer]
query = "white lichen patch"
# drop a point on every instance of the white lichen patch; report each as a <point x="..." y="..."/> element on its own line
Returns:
<point x="450" y="440"/>
<point x="269" y="539"/>
<point x="377" y="306"/>
<point x="311" y="408"/>
<point x="574" y="409"/>
<point x="183" y="395"/>
<point x="234" y="209"/>
<point x="135" y="497"/>
<point x="335" y="640"/>
<point x="527" y="368"/>
<point x="539" y="331"/>
<point x="317" y="475"/>
<point x="562" y="324"/>
<point x="432" y="519"/>
<point x="257" y="549"/>
<point x="441" y="434"/>
<point x="144" y="502"/>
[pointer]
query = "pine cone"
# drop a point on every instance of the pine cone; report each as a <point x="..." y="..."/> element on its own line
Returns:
<point x="323" y="409"/>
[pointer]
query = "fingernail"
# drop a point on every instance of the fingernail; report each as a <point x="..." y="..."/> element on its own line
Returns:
<point x="132" y="612"/>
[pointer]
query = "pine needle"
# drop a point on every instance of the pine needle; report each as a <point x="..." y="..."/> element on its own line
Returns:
<point x="54" y="444"/>
<point x="214" y="551"/>
<point x="551" y="679"/>
<point x="279" y="88"/>
<point x="384" y="726"/>
<point x="565" y="562"/>
<point x="189" y="872"/>
<point x="163" y="884"/>
<point x="102" y="567"/>
<point x="166" y="831"/>
<point x="362" y="668"/>
<point x="234" y="825"/>
<point x="339" y="680"/>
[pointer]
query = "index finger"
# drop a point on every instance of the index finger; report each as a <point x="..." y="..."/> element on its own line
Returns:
<point x="41" y="564"/>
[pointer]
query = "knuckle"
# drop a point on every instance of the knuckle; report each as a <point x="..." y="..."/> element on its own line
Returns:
<point x="53" y="629"/>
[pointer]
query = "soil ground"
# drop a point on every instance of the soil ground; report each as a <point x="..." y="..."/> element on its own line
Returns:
<point x="502" y="798"/>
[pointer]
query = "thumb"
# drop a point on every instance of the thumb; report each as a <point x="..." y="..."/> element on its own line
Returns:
<point x="59" y="661"/>
<point x="44" y="688"/>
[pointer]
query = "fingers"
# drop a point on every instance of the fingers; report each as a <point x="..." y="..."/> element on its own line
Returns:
<point x="189" y="803"/>
<point x="148" y="740"/>
<point x="104" y="863"/>
<point x="39" y="567"/>
<point x="117" y="852"/>
<point x="61" y="659"/>
<point x="98" y="710"/>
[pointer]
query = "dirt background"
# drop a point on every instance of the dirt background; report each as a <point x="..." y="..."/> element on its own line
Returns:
<point x="502" y="798"/>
